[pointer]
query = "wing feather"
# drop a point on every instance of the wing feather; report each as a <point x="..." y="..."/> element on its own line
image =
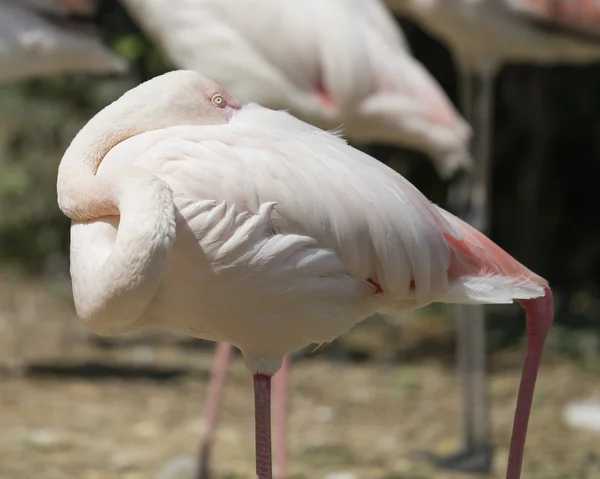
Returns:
<point x="378" y="224"/>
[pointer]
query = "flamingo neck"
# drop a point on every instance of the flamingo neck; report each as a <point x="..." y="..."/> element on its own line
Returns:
<point x="82" y="195"/>
<point x="112" y="292"/>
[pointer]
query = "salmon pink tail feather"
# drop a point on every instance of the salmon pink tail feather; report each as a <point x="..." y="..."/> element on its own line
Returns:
<point x="474" y="254"/>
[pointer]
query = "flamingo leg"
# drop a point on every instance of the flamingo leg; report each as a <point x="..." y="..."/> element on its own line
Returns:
<point x="483" y="115"/>
<point x="212" y="405"/>
<point x="471" y="319"/>
<point x="281" y="387"/>
<point x="262" y="415"/>
<point x="469" y="198"/>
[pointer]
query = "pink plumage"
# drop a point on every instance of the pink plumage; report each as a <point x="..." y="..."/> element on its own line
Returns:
<point x="248" y="226"/>
<point x="336" y="63"/>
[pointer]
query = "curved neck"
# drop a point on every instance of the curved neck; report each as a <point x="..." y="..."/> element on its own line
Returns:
<point x="81" y="195"/>
<point x="114" y="283"/>
<point x="113" y="286"/>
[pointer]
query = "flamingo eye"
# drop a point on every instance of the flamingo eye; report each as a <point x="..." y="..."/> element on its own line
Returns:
<point x="218" y="100"/>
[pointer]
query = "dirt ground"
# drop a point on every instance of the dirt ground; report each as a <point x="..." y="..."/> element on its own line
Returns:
<point x="73" y="407"/>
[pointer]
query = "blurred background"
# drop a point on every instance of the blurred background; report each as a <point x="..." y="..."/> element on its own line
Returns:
<point x="76" y="405"/>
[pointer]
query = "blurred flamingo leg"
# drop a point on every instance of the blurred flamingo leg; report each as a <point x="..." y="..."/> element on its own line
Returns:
<point x="212" y="405"/>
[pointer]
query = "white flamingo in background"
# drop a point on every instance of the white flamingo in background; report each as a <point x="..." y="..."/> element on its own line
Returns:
<point x="38" y="39"/>
<point x="244" y="225"/>
<point x="336" y="63"/>
<point x="483" y="35"/>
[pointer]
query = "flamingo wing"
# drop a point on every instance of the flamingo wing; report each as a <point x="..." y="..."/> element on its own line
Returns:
<point x="377" y="14"/>
<point x="323" y="192"/>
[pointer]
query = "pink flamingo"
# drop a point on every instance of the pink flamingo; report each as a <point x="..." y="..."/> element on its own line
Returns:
<point x="37" y="39"/>
<point x="340" y="62"/>
<point x="335" y="63"/>
<point x="244" y="225"/>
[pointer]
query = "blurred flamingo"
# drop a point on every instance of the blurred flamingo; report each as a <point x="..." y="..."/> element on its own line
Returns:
<point x="38" y="38"/>
<point x="483" y="35"/>
<point x="340" y="63"/>
<point x="286" y="236"/>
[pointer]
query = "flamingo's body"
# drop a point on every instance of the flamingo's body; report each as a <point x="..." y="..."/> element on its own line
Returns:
<point x="285" y="231"/>
<point x="247" y="226"/>
<point x="336" y="63"/>
<point x="38" y="39"/>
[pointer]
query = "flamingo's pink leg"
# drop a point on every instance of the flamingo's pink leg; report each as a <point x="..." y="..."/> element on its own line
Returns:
<point x="212" y="405"/>
<point x="281" y="386"/>
<point x="262" y="412"/>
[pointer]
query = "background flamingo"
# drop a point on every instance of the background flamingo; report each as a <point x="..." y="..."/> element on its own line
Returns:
<point x="38" y="38"/>
<point x="483" y="36"/>
<point x="343" y="63"/>
<point x="271" y="252"/>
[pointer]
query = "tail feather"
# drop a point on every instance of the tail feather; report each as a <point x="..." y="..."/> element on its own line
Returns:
<point x="492" y="290"/>
<point x="482" y="272"/>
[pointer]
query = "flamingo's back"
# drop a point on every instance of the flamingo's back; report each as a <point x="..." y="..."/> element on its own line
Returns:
<point x="375" y="223"/>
